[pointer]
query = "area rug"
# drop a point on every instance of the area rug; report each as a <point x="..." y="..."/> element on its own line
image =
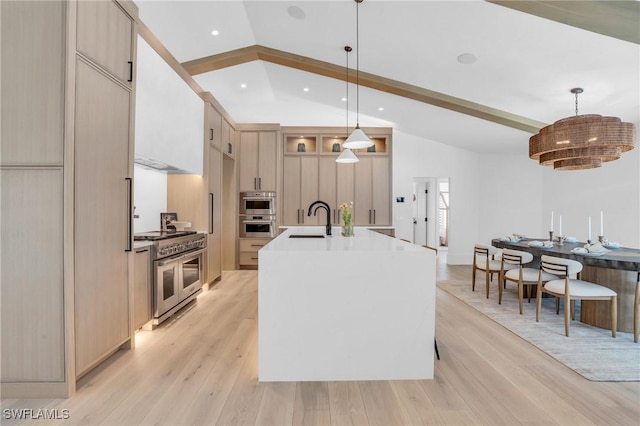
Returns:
<point x="589" y="351"/>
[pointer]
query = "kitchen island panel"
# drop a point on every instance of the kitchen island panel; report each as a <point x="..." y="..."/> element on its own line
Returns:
<point x="339" y="309"/>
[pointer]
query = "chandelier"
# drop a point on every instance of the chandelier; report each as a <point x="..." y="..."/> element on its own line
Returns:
<point x="357" y="139"/>
<point x="581" y="142"/>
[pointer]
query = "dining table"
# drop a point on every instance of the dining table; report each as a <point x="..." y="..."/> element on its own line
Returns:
<point x="617" y="269"/>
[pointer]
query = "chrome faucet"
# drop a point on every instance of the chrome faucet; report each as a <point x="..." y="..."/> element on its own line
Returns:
<point x="327" y="209"/>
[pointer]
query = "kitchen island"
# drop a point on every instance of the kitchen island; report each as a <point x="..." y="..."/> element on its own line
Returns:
<point x="345" y="308"/>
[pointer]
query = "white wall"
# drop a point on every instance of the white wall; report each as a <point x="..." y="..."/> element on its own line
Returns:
<point x="414" y="157"/>
<point x="613" y="188"/>
<point x="497" y="195"/>
<point x="169" y="114"/>
<point x="150" y="198"/>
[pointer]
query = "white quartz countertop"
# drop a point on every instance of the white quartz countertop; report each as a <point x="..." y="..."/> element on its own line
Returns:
<point x="364" y="240"/>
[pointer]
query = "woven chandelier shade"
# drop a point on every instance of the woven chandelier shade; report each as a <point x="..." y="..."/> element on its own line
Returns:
<point x="582" y="142"/>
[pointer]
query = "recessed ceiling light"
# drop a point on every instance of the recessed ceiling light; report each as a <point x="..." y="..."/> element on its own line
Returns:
<point x="306" y="89"/>
<point x="344" y="99"/>
<point x="467" y="58"/>
<point x="296" y="12"/>
<point x="380" y="109"/>
<point x="244" y="86"/>
<point x="215" y="32"/>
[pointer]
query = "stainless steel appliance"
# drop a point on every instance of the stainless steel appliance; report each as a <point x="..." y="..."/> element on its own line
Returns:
<point x="257" y="203"/>
<point x="178" y="260"/>
<point x="257" y="226"/>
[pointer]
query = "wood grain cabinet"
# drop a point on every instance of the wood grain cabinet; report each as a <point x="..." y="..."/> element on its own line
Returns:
<point x="311" y="173"/>
<point x="248" y="250"/>
<point x="335" y="185"/>
<point x="142" y="292"/>
<point x="70" y="152"/>
<point x="372" y="204"/>
<point x="105" y="36"/>
<point x="214" y="226"/>
<point x="258" y="161"/>
<point x="300" y="189"/>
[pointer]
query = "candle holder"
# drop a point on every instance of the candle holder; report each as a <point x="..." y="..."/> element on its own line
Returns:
<point x="550" y="235"/>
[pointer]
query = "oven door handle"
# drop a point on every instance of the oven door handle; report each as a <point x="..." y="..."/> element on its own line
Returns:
<point x="165" y="262"/>
<point x="195" y="253"/>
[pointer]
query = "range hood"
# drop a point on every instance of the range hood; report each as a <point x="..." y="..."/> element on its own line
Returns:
<point x="150" y="163"/>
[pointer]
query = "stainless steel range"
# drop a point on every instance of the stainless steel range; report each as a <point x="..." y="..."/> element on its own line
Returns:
<point x="178" y="259"/>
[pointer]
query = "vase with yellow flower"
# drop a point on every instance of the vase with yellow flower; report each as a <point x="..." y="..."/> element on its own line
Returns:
<point x="346" y="210"/>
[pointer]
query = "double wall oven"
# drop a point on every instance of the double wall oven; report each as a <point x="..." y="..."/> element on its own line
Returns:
<point x="257" y="214"/>
<point x="178" y="262"/>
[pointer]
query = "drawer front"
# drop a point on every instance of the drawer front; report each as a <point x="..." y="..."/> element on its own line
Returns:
<point x="249" y="258"/>
<point x="253" y="244"/>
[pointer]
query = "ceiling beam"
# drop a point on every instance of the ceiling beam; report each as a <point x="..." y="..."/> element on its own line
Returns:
<point x="614" y="18"/>
<point x="327" y="69"/>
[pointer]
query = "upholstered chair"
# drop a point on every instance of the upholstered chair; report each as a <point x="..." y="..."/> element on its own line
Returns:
<point x="570" y="289"/>
<point x="520" y="275"/>
<point x="484" y="259"/>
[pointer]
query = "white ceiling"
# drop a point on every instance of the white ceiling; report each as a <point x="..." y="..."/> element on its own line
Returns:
<point x="526" y="65"/>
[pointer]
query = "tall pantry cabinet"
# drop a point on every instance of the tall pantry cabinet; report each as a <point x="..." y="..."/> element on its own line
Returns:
<point x="67" y="149"/>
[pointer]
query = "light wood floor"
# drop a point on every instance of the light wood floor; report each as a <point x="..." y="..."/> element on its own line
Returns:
<point x="201" y="367"/>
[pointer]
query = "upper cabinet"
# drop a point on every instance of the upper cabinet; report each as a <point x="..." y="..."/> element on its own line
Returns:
<point x="366" y="183"/>
<point x="258" y="161"/>
<point x="105" y="36"/>
<point x="33" y="71"/>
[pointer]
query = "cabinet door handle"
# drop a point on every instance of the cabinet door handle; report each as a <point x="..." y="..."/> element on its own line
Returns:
<point x="130" y="72"/>
<point x="210" y="134"/>
<point x="211" y="213"/>
<point x="129" y="213"/>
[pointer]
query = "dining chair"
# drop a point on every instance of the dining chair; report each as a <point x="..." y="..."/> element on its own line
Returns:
<point x="484" y="259"/>
<point x="520" y="275"/>
<point x="570" y="289"/>
<point x="636" y="311"/>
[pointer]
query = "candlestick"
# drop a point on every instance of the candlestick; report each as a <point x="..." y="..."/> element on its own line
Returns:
<point x="601" y="223"/>
<point x="589" y="239"/>
<point x="551" y="229"/>
<point x="560" y="225"/>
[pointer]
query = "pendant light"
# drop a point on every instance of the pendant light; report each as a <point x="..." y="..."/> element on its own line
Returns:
<point x="582" y="142"/>
<point x="347" y="156"/>
<point x="357" y="139"/>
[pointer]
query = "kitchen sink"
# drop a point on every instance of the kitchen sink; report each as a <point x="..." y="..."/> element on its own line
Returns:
<point x="306" y="236"/>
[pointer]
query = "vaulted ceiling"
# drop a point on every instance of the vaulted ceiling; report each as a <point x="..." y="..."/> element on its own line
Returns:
<point x="410" y="76"/>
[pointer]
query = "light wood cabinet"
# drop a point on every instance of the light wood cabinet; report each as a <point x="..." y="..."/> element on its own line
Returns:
<point x="248" y="250"/>
<point x="102" y="215"/>
<point x="214" y="122"/>
<point x="66" y="190"/>
<point x="214" y="240"/>
<point x="105" y="36"/>
<point x="33" y="325"/>
<point x="372" y="204"/>
<point x="33" y="42"/>
<point x="336" y="185"/>
<point x="142" y="292"/>
<point x="311" y="152"/>
<point x="258" y="161"/>
<point x="300" y="189"/>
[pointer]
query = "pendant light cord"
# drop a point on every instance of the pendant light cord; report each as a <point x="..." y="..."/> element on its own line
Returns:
<point x="357" y="64"/>
<point x="347" y="49"/>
